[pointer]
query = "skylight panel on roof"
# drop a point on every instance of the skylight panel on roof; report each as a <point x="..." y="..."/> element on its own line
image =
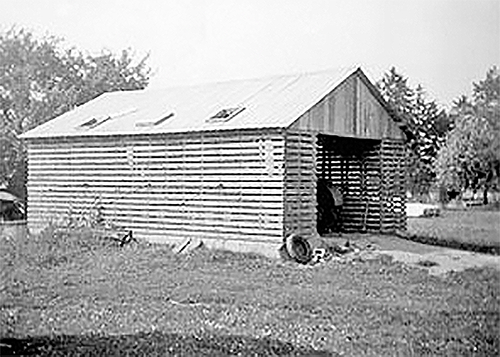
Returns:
<point x="225" y="114"/>
<point x="101" y="119"/>
<point x="152" y="123"/>
<point x="92" y="123"/>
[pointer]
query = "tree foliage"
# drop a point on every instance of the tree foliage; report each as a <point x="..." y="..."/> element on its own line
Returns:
<point x="470" y="156"/>
<point x="41" y="79"/>
<point x="427" y="125"/>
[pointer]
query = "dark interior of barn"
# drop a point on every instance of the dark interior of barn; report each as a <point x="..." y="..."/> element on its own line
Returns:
<point x="348" y="187"/>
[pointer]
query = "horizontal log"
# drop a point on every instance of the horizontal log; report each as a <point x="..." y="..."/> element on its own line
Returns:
<point x="190" y="230"/>
<point x="233" y="237"/>
<point x="229" y="179"/>
<point x="248" y="194"/>
<point x="227" y="207"/>
<point x="160" y="172"/>
<point x="195" y="141"/>
<point x="234" y="160"/>
<point x="197" y="224"/>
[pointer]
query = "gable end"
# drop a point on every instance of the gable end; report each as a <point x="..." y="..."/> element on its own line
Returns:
<point x="354" y="108"/>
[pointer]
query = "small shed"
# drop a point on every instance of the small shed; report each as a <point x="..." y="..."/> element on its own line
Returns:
<point x="236" y="164"/>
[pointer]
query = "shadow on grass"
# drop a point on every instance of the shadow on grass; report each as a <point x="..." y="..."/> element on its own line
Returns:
<point x="152" y="344"/>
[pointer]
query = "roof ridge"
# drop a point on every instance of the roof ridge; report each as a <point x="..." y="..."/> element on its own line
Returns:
<point x="346" y="71"/>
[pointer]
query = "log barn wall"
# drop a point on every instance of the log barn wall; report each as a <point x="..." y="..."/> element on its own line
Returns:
<point x="210" y="185"/>
<point x="300" y="183"/>
<point x="393" y="157"/>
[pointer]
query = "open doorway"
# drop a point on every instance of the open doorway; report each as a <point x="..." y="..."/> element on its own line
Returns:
<point x="348" y="187"/>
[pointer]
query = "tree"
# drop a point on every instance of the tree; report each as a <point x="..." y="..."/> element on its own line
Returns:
<point x="396" y="91"/>
<point x="40" y="80"/>
<point x="470" y="156"/>
<point x="427" y="125"/>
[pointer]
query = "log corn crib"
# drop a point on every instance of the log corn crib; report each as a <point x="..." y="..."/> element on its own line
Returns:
<point x="97" y="200"/>
<point x="386" y="154"/>
<point x="265" y="155"/>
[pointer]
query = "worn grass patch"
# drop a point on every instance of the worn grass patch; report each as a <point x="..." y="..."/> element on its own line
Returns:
<point x="75" y="294"/>
<point x="475" y="230"/>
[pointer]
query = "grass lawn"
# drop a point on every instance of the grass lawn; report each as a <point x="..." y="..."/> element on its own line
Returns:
<point x="473" y="229"/>
<point x="72" y="294"/>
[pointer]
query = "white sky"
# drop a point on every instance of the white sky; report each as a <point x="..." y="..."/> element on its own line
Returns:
<point x="442" y="44"/>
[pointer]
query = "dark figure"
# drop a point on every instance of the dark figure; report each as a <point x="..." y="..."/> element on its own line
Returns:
<point x="330" y="201"/>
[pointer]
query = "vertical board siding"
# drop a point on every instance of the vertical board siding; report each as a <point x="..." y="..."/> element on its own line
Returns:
<point x="350" y="110"/>
<point x="220" y="185"/>
<point x="300" y="184"/>
<point x="375" y="121"/>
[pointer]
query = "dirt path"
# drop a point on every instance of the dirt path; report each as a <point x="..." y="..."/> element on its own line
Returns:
<point x="444" y="260"/>
<point x="437" y="260"/>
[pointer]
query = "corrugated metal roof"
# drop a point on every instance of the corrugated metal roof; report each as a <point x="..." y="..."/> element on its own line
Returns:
<point x="274" y="102"/>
